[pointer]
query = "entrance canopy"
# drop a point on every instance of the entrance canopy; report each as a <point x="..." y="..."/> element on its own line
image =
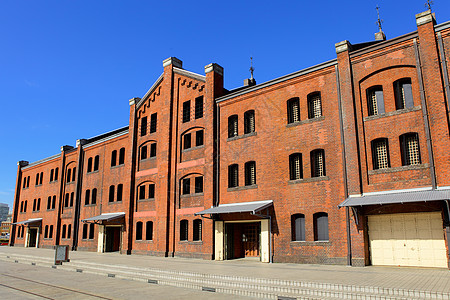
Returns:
<point x="243" y="207"/>
<point x="397" y="197"/>
<point x="29" y="221"/>
<point x="104" y="217"/>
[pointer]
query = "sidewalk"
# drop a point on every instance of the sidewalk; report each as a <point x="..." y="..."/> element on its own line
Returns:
<point x="418" y="279"/>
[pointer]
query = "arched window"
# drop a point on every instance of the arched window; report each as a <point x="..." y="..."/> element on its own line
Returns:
<point x="96" y="162"/>
<point x="121" y="156"/>
<point x="94" y="196"/>
<point x="52" y="171"/>
<point x="21" y="206"/>
<point x="87" y="197"/>
<point x="320" y="226"/>
<point x="403" y="93"/>
<point x="143" y="152"/>
<point x="50" y="232"/>
<point x="38" y="206"/>
<point x="318" y="163"/>
<point x="91" y="231"/>
<point x="111" y="193"/>
<point x="375" y="100"/>
<point x="69" y="175"/>
<point x="114" y="158"/>
<point x="69" y="231"/>
<point x="72" y="195"/>
<point x="380" y="154"/>
<point x="89" y="165"/>
<point x="139" y="231"/>
<point x="37" y="179"/>
<point x="410" y="150"/>
<point x="249" y="121"/>
<point x="63" y="231"/>
<point x="293" y="110"/>
<point x="233" y="176"/>
<point x="232" y="126"/>
<point x="119" y="192"/>
<point x="41" y="178"/>
<point x="34" y="205"/>
<point x="197" y="230"/>
<point x="25" y="206"/>
<point x="85" y="231"/>
<point x="295" y="166"/>
<point x="250" y="173"/>
<point x="184" y="230"/>
<point x="46" y="232"/>
<point x="298" y="227"/>
<point x="314" y="105"/>
<point x="149" y="231"/>
<point x="53" y="201"/>
<point x="49" y="202"/>
<point x="66" y="200"/>
<point x="56" y="173"/>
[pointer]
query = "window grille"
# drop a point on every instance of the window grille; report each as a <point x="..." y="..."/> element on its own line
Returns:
<point x="199" y="107"/>
<point x="314" y="106"/>
<point x="184" y="230"/>
<point x="410" y="149"/>
<point x="197" y="230"/>
<point x="375" y="101"/>
<point x="186" y="111"/>
<point x="232" y="126"/>
<point x="233" y="178"/>
<point x="250" y="173"/>
<point x="293" y="110"/>
<point x="380" y="154"/>
<point x="403" y="93"/>
<point x="295" y="165"/>
<point x="318" y="163"/>
<point x="143" y="126"/>
<point x="153" y="122"/>
<point x="249" y="121"/>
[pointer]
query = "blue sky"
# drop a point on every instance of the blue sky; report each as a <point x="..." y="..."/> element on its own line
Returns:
<point x="68" y="68"/>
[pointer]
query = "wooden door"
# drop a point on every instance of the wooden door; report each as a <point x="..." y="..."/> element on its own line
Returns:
<point x="250" y="239"/>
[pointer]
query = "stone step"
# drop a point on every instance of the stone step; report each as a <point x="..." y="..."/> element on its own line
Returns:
<point x="263" y="288"/>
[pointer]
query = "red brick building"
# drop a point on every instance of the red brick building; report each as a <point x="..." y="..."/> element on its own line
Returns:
<point x="344" y="162"/>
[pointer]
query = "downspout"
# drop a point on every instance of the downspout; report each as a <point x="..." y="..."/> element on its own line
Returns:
<point x="19" y="184"/>
<point x="217" y="138"/>
<point x="444" y="70"/>
<point x="76" y="222"/>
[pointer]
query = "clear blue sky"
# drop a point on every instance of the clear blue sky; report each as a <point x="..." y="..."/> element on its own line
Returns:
<point x="68" y="68"/>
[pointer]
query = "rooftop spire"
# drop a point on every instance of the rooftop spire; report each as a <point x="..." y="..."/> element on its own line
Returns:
<point x="428" y="4"/>
<point x="379" y="36"/>
<point x="379" y="21"/>
<point x="251" y="67"/>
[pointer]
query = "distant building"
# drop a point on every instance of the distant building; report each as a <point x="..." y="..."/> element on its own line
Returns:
<point x="4" y="211"/>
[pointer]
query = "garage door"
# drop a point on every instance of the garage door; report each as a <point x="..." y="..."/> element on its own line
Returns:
<point x="413" y="239"/>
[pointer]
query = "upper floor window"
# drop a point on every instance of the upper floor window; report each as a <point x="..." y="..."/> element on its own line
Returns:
<point x="72" y="198"/>
<point x="184" y="230"/>
<point x="26" y="182"/>
<point x="69" y="175"/>
<point x="314" y="105"/>
<point x="250" y="173"/>
<point x="295" y="166"/>
<point x="199" y="107"/>
<point x="143" y="194"/>
<point x="318" y="163"/>
<point x="186" y="111"/>
<point x="94" y="196"/>
<point x="375" y="100"/>
<point x="232" y="126"/>
<point x="111" y="193"/>
<point x="143" y="126"/>
<point x="87" y="197"/>
<point x="152" y="149"/>
<point x="39" y="177"/>
<point x="199" y="138"/>
<point x="403" y="93"/>
<point x="320" y="226"/>
<point x="119" y="192"/>
<point x="410" y="150"/>
<point x="114" y="158"/>
<point x="380" y="154"/>
<point x="233" y="176"/>
<point x="144" y="152"/>
<point x="153" y="122"/>
<point x="89" y="165"/>
<point x="187" y="141"/>
<point x="199" y="184"/>
<point x="186" y="186"/>
<point x="298" y="227"/>
<point x="52" y="172"/>
<point x="249" y="121"/>
<point x="121" y="156"/>
<point x="293" y="110"/>
<point x="197" y="230"/>
<point x="96" y="162"/>
<point x="49" y="202"/>
<point x="74" y="173"/>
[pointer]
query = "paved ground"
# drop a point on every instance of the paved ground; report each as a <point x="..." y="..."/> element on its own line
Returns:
<point x="427" y="279"/>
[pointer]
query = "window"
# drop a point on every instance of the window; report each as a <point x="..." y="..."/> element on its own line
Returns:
<point x="199" y="138"/>
<point x="142" y="192"/>
<point x="143" y="126"/>
<point x="233" y="178"/>
<point x="249" y="121"/>
<point x="197" y="230"/>
<point x="199" y="107"/>
<point x="91" y="231"/>
<point x="56" y="173"/>
<point x="186" y="186"/>
<point x="293" y="110"/>
<point x="320" y="226"/>
<point x="314" y="105"/>
<point x="121" y="156"/>
<point x="53" y="201"/>
<point x="403" y="93"/>
<point x="24" y="183"/>
<point x="151" y="191"/>
<point x="46" y="232"/>
<point x="49" y="202"/>
<point x="25" y="206"/>
<point x="149" y="230"/>
<point x="28" y="182"/>
<point x="52" y="171"/>
<point x="295" y="166"/>
<point x="138" y="231"/>
<point x="69" y="231"/>
<point x="410" y="150"/>
<point x="153" y="150"/>
<point x="250" y="173"/>
<point x="63" y="232"/>
<point x="153" y="122"/>
<point x="119" y="192"/>
<point x="114" y="158"/>
<point x="199" y="184"/>
<point x="73" y="174"/>
<point x="89" y="165"/>
<point x="143" y="152"/>
<point x="21" y="206"/>
<point x="41" y="177"/>
<point x="186" y="111"/>
<point x="66" y="200"/>
<point x="37" y="179"/>
<point x="50" y="232"/>
<point x="298" y="227"/>
<point x="375" y="100"/>
<point x="94" y="196"/>
<point x="187" y="141"/>
<point x="87" y="197"/>
<point x="232" y="126"/>
<point x="111" y="193"/>
<point x="38" y="207"/>
<point x="85" y="231"/>
<point x="34" y="205"/>
<point x="318" y="163"/>
<point x="380" y="154"/>
<point x="72" y="195"/>
<point x="184" y="230"/>
<point x="96" y="162"/>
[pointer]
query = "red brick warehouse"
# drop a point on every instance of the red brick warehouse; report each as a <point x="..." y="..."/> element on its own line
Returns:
<point x="345" y="162"/>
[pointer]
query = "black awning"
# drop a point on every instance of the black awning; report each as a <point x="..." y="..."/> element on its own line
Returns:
<point x="251" y="207"/>
<point x="104" y="217"/>
<point x="397" y="197"/>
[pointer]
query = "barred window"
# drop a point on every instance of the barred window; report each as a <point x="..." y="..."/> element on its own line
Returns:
<point x="318" y="163"/>
<point x="197" y="230"/>
<point x="295" y="166"/>
<point x="403" y="93"/>
<point x="410" y="149"/>
<point x="233" y="176"/>
<point x="232" y="126"/>
<point x="250" y="173"/>
<point x="143" y="126"/>
<point x="293" y="110"/>
<point x="314" y="105"/>
<point x="380" y="154"/>
<point x="298" y="227"/>
<point x="153" y="122"/>
<point x="249" y="121"/>
<point x="186" y="111"/>
<point x="199" y="107"/>
<point x="184" y="230"/>
<point x="375" y="100"/>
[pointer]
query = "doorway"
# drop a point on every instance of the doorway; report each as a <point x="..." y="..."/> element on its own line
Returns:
<point x="242" y="240"/>
<point x="32" y="237"/>
<point x="112" y="243"/>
